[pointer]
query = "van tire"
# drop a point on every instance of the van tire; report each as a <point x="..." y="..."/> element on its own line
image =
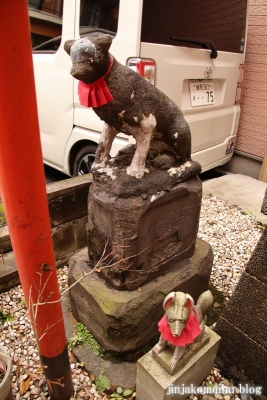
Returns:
<point x="84" y="160"/>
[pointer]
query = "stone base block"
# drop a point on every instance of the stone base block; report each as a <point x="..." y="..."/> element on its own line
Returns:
<point x="125" y="321"/>
<point x="154" y="382"/>
<point x="144" y="235"/>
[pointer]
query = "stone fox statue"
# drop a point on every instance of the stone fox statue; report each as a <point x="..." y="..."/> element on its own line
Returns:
<point x="183" y="323"/>
<point x="128" y="103"/>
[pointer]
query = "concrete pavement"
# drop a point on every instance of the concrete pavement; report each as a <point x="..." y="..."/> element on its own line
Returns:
<point x="240" y="190"/>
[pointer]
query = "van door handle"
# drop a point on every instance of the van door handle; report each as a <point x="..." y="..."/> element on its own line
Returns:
<point x="204" y="43"/>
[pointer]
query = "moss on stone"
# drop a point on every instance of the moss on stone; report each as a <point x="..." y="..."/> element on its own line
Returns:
<point x="2" y="216"/>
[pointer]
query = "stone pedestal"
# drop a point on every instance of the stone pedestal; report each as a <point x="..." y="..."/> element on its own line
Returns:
<point x="154" y="382"/>
<point x="141" y="229"/>
<point x="165" y="356"/>
<point x="125" y="321"/>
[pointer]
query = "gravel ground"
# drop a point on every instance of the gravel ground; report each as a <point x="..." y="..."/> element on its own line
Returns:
<point x="233" y="236"/>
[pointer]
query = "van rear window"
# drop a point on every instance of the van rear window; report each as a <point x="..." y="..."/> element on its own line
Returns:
<point x="102" y="14"/>
<point x="221" y="21"/>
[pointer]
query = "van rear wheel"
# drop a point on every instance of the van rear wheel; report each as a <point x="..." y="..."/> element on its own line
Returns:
<point x="84" y="160"/>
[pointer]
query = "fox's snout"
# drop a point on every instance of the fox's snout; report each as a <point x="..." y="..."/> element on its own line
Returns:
<point x="177" y="328"/>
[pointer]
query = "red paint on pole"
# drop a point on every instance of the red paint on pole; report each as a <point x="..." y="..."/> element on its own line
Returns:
<point x="22" y="182"/>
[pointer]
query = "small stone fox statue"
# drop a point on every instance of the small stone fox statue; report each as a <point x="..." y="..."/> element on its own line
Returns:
<point x="183" y="323"/>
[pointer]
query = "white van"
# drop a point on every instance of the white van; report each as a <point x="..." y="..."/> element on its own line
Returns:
<point x="191" y="50"/>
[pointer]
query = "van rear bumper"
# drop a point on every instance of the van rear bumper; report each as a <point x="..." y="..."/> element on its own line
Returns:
<point x="214" y="156"/>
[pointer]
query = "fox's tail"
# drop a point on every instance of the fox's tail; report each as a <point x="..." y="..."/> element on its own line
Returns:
<point x="205" y="301"/>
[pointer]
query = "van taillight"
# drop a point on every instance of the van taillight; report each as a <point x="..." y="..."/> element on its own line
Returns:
<point x="240" y="84"/>
<point x="146" y="67"/>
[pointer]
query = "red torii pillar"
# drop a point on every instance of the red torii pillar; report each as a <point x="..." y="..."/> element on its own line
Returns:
<point x="23" y="190"/>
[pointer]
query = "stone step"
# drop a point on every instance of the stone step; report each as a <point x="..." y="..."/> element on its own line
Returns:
<point x="5" y="243"/>
<point x="8" y="272"/>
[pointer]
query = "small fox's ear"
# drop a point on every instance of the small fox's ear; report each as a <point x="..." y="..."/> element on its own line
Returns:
<point x="67" y="45"/>
<point x="189" y="302"/>
<point x="168" y="301"/>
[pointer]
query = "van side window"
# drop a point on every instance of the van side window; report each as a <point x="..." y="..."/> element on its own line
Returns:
<point x="46" y="24"/>
<point x="96" y="17"/>
<point x="222" y="22"/>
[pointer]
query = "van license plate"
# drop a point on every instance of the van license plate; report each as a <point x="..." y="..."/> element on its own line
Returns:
<point x="201" y="94"/>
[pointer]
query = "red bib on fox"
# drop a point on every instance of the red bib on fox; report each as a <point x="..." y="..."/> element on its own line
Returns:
<point x="97" y="93"/>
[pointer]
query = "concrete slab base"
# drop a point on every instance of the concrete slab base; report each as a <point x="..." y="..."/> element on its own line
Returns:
<point x="154" y="382"/>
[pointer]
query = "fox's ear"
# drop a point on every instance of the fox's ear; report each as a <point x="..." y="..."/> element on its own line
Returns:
<point x="168" y="301"/>
<point x="103" y="42"/>
<point x="189" y="302"/>
<point x="67" y="45"/>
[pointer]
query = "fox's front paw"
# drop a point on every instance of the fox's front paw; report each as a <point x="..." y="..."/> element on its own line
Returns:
<point x="158" y="348"/>
<point x="135" y="171"/>
<point x="98" y="165"/>
<point x="173" y="362"/>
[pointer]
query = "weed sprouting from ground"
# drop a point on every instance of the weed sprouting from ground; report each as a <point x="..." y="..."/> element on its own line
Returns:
<point x="84" y="337"/>
<point x="102" y="382"/>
